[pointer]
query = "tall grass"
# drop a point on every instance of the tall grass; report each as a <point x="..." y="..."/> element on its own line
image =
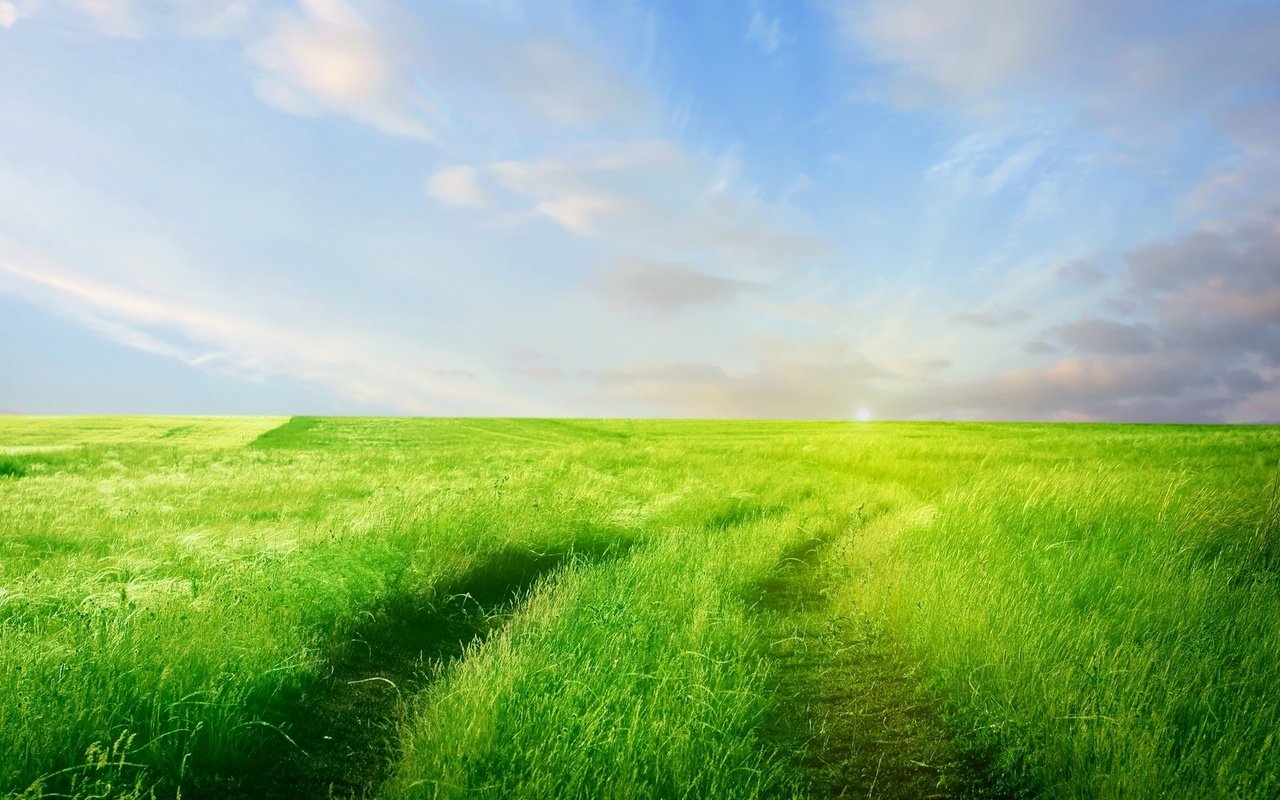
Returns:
<point x="169" y="594"/>
<point x="647" y="678"/>
<point x="1107" y="625"/>
<point x="1097" y="604"/>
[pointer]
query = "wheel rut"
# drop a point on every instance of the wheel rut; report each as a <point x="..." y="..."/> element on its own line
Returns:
<point x="338" y="738"/>
<point x="852" y="717"/>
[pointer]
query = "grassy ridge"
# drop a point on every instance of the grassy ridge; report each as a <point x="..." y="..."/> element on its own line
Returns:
<point x="1094" y="604"/>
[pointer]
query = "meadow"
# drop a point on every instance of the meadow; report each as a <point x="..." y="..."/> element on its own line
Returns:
<point x="441" y="608"/>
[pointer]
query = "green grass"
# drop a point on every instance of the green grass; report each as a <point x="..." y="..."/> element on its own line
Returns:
<point x="1059" y="611"/>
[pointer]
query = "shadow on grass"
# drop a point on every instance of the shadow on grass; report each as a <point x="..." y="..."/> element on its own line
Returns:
<point x="293" y="433"/>
<point x="337" y="738"/>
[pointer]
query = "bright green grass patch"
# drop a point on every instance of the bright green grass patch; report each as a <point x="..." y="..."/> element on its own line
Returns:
<point x="1107" y="623"/>
<point x="1097" y="604"/>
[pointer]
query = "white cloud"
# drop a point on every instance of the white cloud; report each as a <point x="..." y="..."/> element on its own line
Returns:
<point x="119" y="18"/>
<point x="459" y="186"/>
<point x="11" y="12"/>
<point x="329" y="56"/>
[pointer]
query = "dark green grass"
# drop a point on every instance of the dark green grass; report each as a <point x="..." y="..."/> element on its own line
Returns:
<point x="12" y="467"/>
<point x="20" y="466"/>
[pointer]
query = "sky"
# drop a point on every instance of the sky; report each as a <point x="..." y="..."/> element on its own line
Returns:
<point x="873" y="209"/>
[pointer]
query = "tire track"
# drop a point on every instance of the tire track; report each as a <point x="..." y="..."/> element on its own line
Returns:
<point x="852" y="718"/>
<point x="338" y="738"/>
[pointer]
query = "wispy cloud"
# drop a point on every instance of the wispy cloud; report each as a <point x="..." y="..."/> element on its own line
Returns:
<point x="823" y="380"/>
<point x="440" y="75"/>
<point x="644" y="284"/>
<point x="1132" y="83"/>
<point x="764" y="30"/>
<point x="1079" y="271"/>
<point x="991" y="318"/>
<point x="1096" y="335"/>
<point x="1091" y="52"/>
<point x="359" y="365"/>
<point x="654" y="197"/>
<point x="1138" y="70"/>
<point x="967" y="49"/>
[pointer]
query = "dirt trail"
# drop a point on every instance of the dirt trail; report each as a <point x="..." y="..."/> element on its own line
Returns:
<point x="852" y="715"/>
<point x="338" y="738"/>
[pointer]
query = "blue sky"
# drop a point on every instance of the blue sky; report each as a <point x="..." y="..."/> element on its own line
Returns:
<point x="983" y="209"/>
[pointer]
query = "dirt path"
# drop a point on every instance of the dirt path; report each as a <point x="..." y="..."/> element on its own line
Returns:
<point x="852" y="715"/>
<point x="338" y="739"/>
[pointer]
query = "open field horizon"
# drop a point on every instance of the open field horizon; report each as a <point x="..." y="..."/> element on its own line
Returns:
<point x="481" y="607"/>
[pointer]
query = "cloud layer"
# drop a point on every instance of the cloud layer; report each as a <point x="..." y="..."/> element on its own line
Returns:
<point x="1065" y="209"/>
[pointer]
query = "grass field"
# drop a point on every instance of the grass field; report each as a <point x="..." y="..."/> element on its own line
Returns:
<point x="407" y="608"/>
